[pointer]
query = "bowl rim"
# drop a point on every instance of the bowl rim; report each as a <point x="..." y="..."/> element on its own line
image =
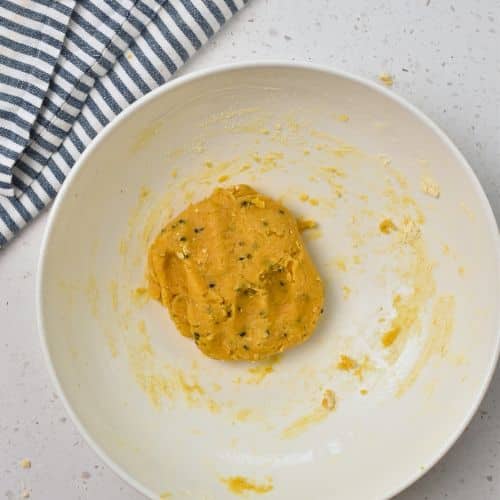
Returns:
<point x="220" y="69"/>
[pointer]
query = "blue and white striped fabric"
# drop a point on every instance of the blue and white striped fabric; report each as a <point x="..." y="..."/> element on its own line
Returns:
<point x="67" y="67"/>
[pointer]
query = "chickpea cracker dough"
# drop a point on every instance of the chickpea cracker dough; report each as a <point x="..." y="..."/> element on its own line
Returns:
<point x="236" y="277"/>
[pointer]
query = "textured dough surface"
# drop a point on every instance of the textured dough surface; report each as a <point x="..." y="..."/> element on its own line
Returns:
<point x="235" y="276"/>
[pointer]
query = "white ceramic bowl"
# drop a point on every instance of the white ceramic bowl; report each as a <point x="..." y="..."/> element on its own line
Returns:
<point x="171" y="421"/>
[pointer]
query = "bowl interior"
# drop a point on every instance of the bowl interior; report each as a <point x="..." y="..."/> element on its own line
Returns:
<point x="335" y="150"/>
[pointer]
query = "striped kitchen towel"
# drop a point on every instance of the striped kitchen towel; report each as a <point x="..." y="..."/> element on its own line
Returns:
<point x="68" y="67"/>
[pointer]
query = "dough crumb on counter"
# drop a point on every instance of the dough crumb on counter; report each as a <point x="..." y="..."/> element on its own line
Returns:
<point x="386" y="79"/>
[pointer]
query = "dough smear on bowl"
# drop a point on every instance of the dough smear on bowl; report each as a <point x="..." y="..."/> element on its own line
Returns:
<point x="236" y="277"/>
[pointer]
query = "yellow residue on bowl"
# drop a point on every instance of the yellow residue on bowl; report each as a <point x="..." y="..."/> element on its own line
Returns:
<point x="243" y="415"/>
<point x="189" y="389"/>
<point x="302" y="424"/>
<point x="340" y="264"/>
<point x="139" y="296"/>
<point x="346" y="292"/>
<point x="240" y="485"/>
<point x="261" y="370"/>
<point x="145" y="136"/>
<point x="305" y="224"/>
<point x="438" y="339"/>
<point x="390" y="336"/>
<point x="113" y="289"/>
<point x="336" y="171"/>
<point x="430" y="187"/>
<point x="386" y="226"/>
<point x="346" y="363"/>
<point x="328" y="402"/>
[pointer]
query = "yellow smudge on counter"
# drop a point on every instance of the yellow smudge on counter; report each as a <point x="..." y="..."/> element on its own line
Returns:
<point x="240" y="485"/>
<point x="438" y="339"/>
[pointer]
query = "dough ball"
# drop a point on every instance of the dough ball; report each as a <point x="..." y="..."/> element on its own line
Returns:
<point x="236" y="277"/>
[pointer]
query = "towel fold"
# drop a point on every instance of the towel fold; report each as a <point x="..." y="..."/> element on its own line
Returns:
<point x="67" y="68"/>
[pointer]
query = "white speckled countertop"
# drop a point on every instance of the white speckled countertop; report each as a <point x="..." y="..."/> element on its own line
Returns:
<point x="445" y="58"/>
